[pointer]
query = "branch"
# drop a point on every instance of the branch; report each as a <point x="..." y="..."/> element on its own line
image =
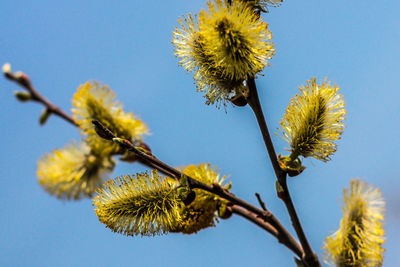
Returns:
<point x="255" y="105"/>
<point x="23" y="80"/>
<point x="309" y="257"/>
<point x="145" y="156"/>
<point x="262" y="204"/>
<point x="267" y="227"/>
<point x="256" y="220"/>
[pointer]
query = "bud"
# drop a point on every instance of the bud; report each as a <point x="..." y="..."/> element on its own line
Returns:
<point x="23" y="79"/>
<point x="279" y="190"/>
<point x="23" y="96"/>
<point x="102" y="131"/>
<point x="7" y="68"/>
<point x="44" y="116"/>
<point x="239" y="101"/>
<point x="190" y="197"/>
<point x="290" y="166"/>
<point x="224" y="211"/>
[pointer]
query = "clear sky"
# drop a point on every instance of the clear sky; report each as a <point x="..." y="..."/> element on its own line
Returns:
<point x="127" y="45"/>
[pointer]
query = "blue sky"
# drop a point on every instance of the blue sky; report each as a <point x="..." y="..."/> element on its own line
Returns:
<point x="61" y="44"/>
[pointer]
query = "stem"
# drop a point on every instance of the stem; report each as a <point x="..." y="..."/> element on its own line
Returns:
<point x="255" y="105"/>
<point x="25" y="82"/>
<point x="267" y="227"/>
<point x="283" y="236"/>
<point x="309" y="257"/>
<point x="257" y="220"/>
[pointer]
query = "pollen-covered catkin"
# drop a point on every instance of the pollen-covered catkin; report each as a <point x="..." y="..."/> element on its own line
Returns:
<point x="359" y="240"/>
<point x="74" y="171"/>
<point x="144" y="204"/>
<point x="226" y="45"/>
<point x="314" y="121"/>
<point x="94" y="101"/>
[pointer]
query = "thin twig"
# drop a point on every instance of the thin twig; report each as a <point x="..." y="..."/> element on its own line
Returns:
<point x="264" y="225"/>
<point x="283" y="236"/>
<point x="24" y="81"/>
<point x="309" y="257"/>
<point x="262" y="204"/>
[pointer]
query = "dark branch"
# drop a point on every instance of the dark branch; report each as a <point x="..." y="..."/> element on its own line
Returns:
<point x="283" y="236"/>
<point x="262" y="204"/>
<point x="257" y="220"/>
<point x="24" y="81"/>
<point x="309" y="257"/>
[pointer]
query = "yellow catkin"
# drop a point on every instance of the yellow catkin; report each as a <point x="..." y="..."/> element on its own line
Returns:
<point x="73" y="172"/>
<point x="201" y="213"/>
<point x="96" y="101"/>
<point x="358" y="242"/>
<point x="314" y="121"/>
<point x="236" y="38"/>
<point x="144" y="204"/>
<point x="225" y="46"/>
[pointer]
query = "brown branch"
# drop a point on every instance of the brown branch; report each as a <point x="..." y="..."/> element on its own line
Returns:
<point x="256" y="220"/>
<point x="255" y="105"/>
<point x="267" y="227"/>
<point x="145" y="156"/>
<point x="263" y="218"/>
<point x="309" y="257"/>
<point x="23" y="80"/>
<point x="262" y="204"/>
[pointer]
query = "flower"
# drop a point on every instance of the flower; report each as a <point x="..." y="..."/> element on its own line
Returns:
<point x="145" y="204"/>
<point x="236" y="39"/>
<point x="314" y="120"/>
<point x="227" y="45"/>
<point x="93" y="101"/>
<point x="74" y="171"/>
<point x="358" y="242"/>
<point x="201" y="213"/>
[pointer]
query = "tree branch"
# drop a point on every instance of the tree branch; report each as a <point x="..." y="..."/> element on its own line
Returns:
<point x="267" y="227"/>
<point x="23" y="80"/>
<point x="309" y="257"/>
<point x="145" y="156"/>
<point x="257" y="220"/>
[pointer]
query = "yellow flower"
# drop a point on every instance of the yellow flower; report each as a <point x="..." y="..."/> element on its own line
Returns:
<point x="144" y="204"/>
<point x="209" y="79"/>
<point x="95" y="101"/>
<point x="228" y="45"/>
<point x="358" y="242"/>
<point x="314" y="120"/>
<point x="237" y="40"/>
<point x="201" y="213"/>
<point x="73" y="172"/>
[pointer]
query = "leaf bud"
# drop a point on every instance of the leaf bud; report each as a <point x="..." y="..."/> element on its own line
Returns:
<point x="23" y="96"/>
<point x="44" y="116"/>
